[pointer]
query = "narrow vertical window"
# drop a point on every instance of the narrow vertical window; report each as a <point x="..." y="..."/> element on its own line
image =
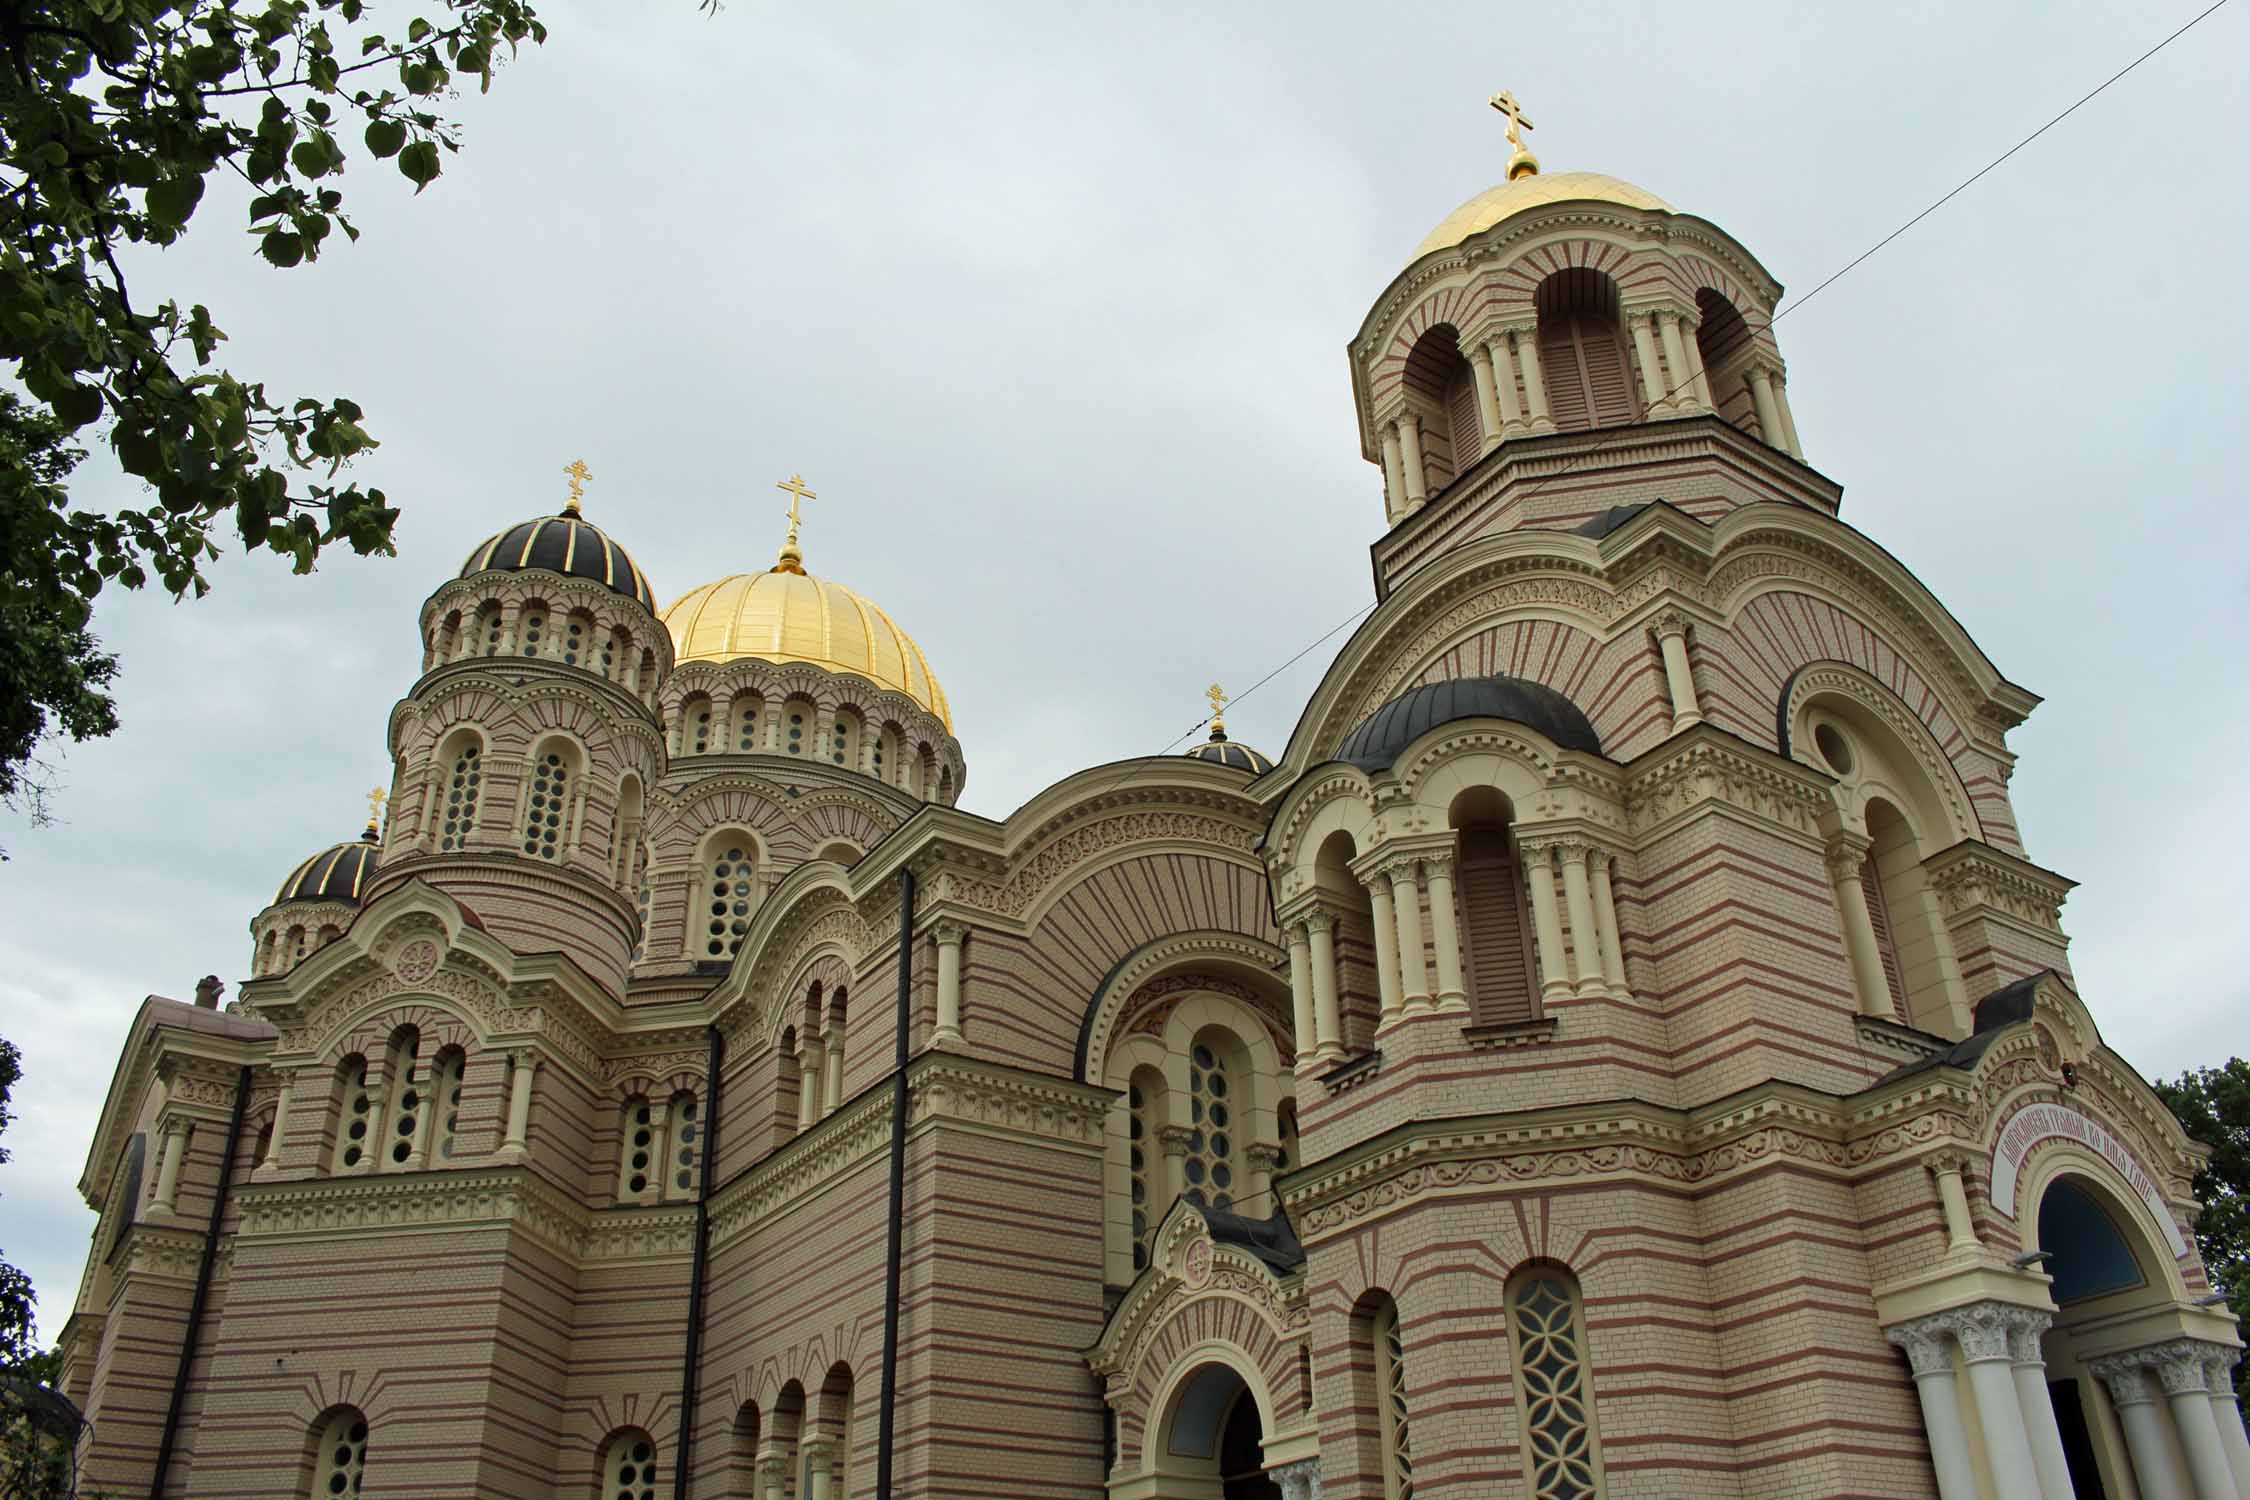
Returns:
<point x="534" y="629"/>
<point x="550" y="789"/>
<point x="796" y="745"/>
<point x="1390" y="1397"/>
<point x="687" y="1139"/>
<point x="637" y="1158"/>
<point x="466" y="784"/>
<point x="1210" y="1154"/>
<point x="730" y="900"/>
<point x="445" y="1099"/>
<point x="1886" y="942"/>
<point x="746" y="727"/>
<point x="1145" y="1098"/>
<point x="488" y="621"/>
<point x="641" y="895"/>
<point x="342" y="1456"/>
<point x="403" y="1101"/>
<point x="354" y="1113"/>
<point x="1561" y="1451"/>
<point x="576" y="635"/>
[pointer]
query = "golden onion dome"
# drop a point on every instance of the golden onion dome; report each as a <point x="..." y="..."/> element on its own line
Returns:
<point x="1533" y="190"/>
<point x="786" y="615"/>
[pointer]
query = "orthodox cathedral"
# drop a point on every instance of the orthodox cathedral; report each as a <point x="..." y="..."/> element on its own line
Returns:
<point x="1620" y="1046"/>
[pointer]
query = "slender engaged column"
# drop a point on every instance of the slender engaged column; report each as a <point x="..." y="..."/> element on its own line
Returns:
<point x="419" y="1078"/>
<point x="1307" y="1040"/>
<point x="2226" y="1410"/>
<point x="808" y="1083"/>
<point x="1554" y="975"/>
<point x="1488" y="397"/>
<point x="2128" y="1382"/>
<point x="1504" y="383"/>
<point x="1174" y="1140"/>
<point x="1445" y="930"/>
<point x="1788" y="418"/>
<point x="1327" y="1017"/>
<point x="1652" y="378"/>
<point x="1701" y="376"/>
<point x="1680" y="381"/>
<point x="820" y="1459"/>
<point x="1386" y="948"/>
<point x="1585" y="948"/>
<point x="1534" y="382"/>
<point x="948" y="1032"/>
<point x="2030" y="1370"/>
<point x="1953" y="1200"/>
<point x="280" y="1128"/>
<point x="519" y="1101"/>
<point x="1847" y="855"/>
<point x="832" y="1086"/>
<point x="168" y="1165"/>
<point x="2187" y="1390"/>
<point x="1262" y="1158"/>
<point x="1394" y="474"/>
<point x="1769" y="415"/>
<point x="1983" y="1332"/>
<point x="1605" y="917"/>
<point x="1417" y="472"/>
<point x="773" y="1475"/>
<point x="1679" y="677"/>
<point x="1413" y="962"/>
<point x="1930" y="1354"/>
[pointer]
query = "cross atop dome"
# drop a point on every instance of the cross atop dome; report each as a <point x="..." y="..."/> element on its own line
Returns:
<point x="1522" y="163"/>
<point x="791" y="558"/>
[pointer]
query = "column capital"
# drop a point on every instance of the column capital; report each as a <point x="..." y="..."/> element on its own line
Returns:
<point x="1516" y="331"/>
<point x="949" y="932"/>
<point x="525" y="1058"/>
<point x="821" y="1448"/>
<point x="1672" y="621"/>
<point x="1262" y="1156"/>
<point x="773" y="1466"/>
<point x="1949" y="1161"/>
<point x="1926" y="1349"/>
<point x="1297" y="1481"/>
<point x="2179" y="1365"/>
<point x="2025" y="1330"/>
<point x="1846" y="853"/>
<point x="2126" y="1377"/>
<point x="1766" y="364"/>
<point x="1175" y="1138"/>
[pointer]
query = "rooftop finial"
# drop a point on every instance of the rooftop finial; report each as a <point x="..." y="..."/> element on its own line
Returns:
<point x="1522" y="163"/>
<point x="1218" y="697"/>
<point x="791" y="559"/>
<point x="579" y="474"/>
<point x="375" y="801"/>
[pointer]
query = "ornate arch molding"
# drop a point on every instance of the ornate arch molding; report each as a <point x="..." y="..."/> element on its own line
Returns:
<point x="619" y="716"/>
<point x="1200" y="1302"/>
<point x="1842" y="678"/>
<point x="811" y="914"/>
<point x="1248" y="960"/>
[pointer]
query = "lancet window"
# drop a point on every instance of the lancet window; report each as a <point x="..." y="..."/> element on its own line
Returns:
<point x="464" y="788"/>
<point x="342" y="1454"/>
<point x="445" y="1099"/>
<point x="732" y="873"/>
<point x="686" y="1144"/>
<point x="532" y="633"/>
<point x="1389" y="1351"/>
<point x="551" y="786"/>
<point x="1561" y="1450"/>
<point x="1145" y="1096"/>
<point x="1210" y="1163"/>
<point x="628" y="1470"/>
<point x="403" y="1099"/>
<point x="355" y="1114"/>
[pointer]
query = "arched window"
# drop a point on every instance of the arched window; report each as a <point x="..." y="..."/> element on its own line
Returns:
<point x="553" y="780"/>
<point x="843" y="740"/>
<point x="1495" y="927"/>
<point x="354" y="1114"/>
<point x="749" y="713"/>
<point x="1145" y="1100"/>
<point x="1388" y="1351"/>
<point x="445" y="1099"/>
<point x="1723" y="340"/>
<point x="695" y="725"/>
<point x="616" y="647"/>
<point x="628" y="1470"/>
<point x="642" y="893"/>
<point x="885" y="753"/>
<point x="577" y="638"/>
<point x="638" y="1149"/>
<point x="1562" y="1450"/>
<point x="687" y="1144"/>
<point x="1582" y="351"/>
<point x="448" y="639"/>
<point x="489" y="624"/>
<point x="299" y="945"/>
<point x="1452" y="432"/>
<point x="627" y="839"/>
<point x="531" y="633"/>
<point x="1214" y="1067"/>
<point x="266" y="951"/>
<point x="340" y="1459"/>
<point x="730" y="867"/>
<point x="796" y="726"/>
<point x="402" y="1096"/>
<point x="463" y="789"/>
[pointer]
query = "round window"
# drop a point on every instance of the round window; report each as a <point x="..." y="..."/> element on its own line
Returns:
<point x="1833" y="748"/>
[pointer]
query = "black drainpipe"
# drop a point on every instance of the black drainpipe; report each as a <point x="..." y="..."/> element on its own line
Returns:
<point x="692" y="1362"/>
<point x="202" y="1287"/>
<point x="889" y="1424"/>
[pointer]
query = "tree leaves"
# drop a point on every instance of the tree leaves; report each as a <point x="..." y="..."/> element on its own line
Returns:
<point x="2213" y="1106"/>
<point x="419" y="162"/>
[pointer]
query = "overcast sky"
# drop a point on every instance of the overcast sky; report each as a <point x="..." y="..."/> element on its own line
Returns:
<point x="1049" y="303"/>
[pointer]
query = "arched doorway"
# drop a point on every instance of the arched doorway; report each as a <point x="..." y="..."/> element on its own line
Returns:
<point x="1211" y="1445"/>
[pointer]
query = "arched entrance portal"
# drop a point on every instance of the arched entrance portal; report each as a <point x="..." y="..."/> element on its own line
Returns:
<point x="1212" y="1444"/>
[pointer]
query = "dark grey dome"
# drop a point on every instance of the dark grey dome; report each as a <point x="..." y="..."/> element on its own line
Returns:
<point x="338" y="873"/>
<point x="568" y="544"/>
<point x="1376" y="743"/>
<point x="1220" y="750"/>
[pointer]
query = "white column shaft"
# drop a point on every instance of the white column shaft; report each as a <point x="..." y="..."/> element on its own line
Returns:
<point x="1417" y="471"/>
<point x="1534" y="381"/>
<point x="1413" y="963"/>
<point x="808" y="1085"/>
<point x="1679" y="383"/>
<point x="1652" y="378"/>
<point x="1769" y="416"/>
<point x="2227" y="1412"/>
<point x="832" y="1087"/>
<point x="1788" y="419"/>
<point x="1605" y="916"/>
<point x="1328" y="1022"/>
<point x="1307" y="1039"/>
<point x="1585" y="950"/>
<point x="1695" y="368"/>
<point x="2206" y="1454"/>
<point x="1861" y="947"/>
<point x="1445" y="929"/>
<point x="2006" y="1447"/>
<point x="1488" y="400"/>
<point x="948" y="990"/>
<point x="168" y="1168"/>
<point x="1504" y="384"/>
<point x="1386" y="948"/>
<point x="280" y="1126"/>
<point x="2039" y="1426"/>
<point x="1554" y="974"/>
<point x="1680" y="679"/>
<point x="2144" y="1443"/>
<point x="1949" y="1440"/>
<point x="519" y="1103"/>
<point x="1394" y="474"/>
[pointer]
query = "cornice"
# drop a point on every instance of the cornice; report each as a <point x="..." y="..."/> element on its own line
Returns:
<point x="515" y="1198"/>
<point x="1973" y="876"/>
<point x="1704" y="767"/>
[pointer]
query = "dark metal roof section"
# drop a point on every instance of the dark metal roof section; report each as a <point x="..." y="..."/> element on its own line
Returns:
<point x="1609" y="520"/>
<point x="1221" y="751"/>
<point x="1380" y="738"/>
<point x="1271" y="1240"/>
<point x="338" y="873"/>
<point x="565" y="544"/>
<point x="1995" y="1012"/>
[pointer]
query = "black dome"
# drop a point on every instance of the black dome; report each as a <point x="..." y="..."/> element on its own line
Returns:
<point x="340" y="872"/>
<point x="568" y="544"/>
<point x="1220" y="750"/>
<point x="1399" y="723"/>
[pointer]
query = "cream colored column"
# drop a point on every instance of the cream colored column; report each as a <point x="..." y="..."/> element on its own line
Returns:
<point x="1413" y="961"/>
<point x="1701" y="376"/>
<point x="773" y="1475"/>
<point x="1983" y="1332"/>
<point x="2180" y="1368"/>
<point x="949" y="937"/>
<point x="168" y="1165"/>
<point x="1417" y="471"/>
<point x="280" y="1128"/>
<point x="1953" y="1202"/>
<point x="1174" y="1141"/>
<point x="1929" y="1352"/>
<point x="808" y="1083"/>
<point x="519" y="1101"/>
<point x="1534" y="380"/>
<point x="1261" y="1157"/>
<point x="659" y="1146"/>
<point x="1488" y="398"/>
<point x="1788" y="417"/>
<point x="1504" y="385"/>
<point x="1394" y="474"/>
<point x="1445" y="930"/>
<point x="1585" y="948"/>
<point x="1328" y="1022"/>
<point x="1680" y="380"/>
<point x="820" y="1458"/>
<point x="1679" y="675"/>
<point x="419" y="1077"/>
<point x="2226" y="1410"/>
<point x="1847" y="857"/>
<point x="1605" y="917"/>
<point x="2128" y="1382"/>
<point x="832" y="1086"/>
<point x="1769" y="415"/>
<point x="2038" y="1404"/>
<point x="1307" y="1040"/>
<point x="1386" y="947"/>
<point x="1652" y="378"/>
<point x="1554" y="976"/>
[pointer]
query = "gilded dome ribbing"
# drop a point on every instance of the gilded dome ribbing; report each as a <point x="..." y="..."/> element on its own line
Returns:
<point x="1531" y="191"/>
<point x="784" y="616"/>
<point x="340" y="872"/>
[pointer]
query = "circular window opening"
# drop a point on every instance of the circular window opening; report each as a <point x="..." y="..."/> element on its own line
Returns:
<point x="1833" y="748"/>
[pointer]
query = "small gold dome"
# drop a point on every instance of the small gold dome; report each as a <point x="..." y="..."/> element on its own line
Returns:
<point x="1531" y="190"/>
<point x="792" y="616"/>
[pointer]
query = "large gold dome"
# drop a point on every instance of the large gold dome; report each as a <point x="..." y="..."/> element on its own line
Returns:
<point x="791" y="616"/>
<point x="1530" y="191"/>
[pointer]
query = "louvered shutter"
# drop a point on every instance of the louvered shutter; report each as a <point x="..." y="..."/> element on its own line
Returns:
<point x="1467" y="434"/>
<point x="1879" y="914"/>
<point x="1565" y="374"/>
<point x="1493" y="929"/>
<point x="1608" y="376"/>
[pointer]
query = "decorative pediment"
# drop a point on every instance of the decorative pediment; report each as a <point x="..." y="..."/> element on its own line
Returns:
<point x="1187" y="1266"/>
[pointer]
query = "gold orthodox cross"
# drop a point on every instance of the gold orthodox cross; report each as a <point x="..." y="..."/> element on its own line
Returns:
<point x="1518" y="121"/>
<point x="1218" y="697"/>
<point x="579" y="474"/>
<point x="375" y="801"/>
<point x="795" y="485"/>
